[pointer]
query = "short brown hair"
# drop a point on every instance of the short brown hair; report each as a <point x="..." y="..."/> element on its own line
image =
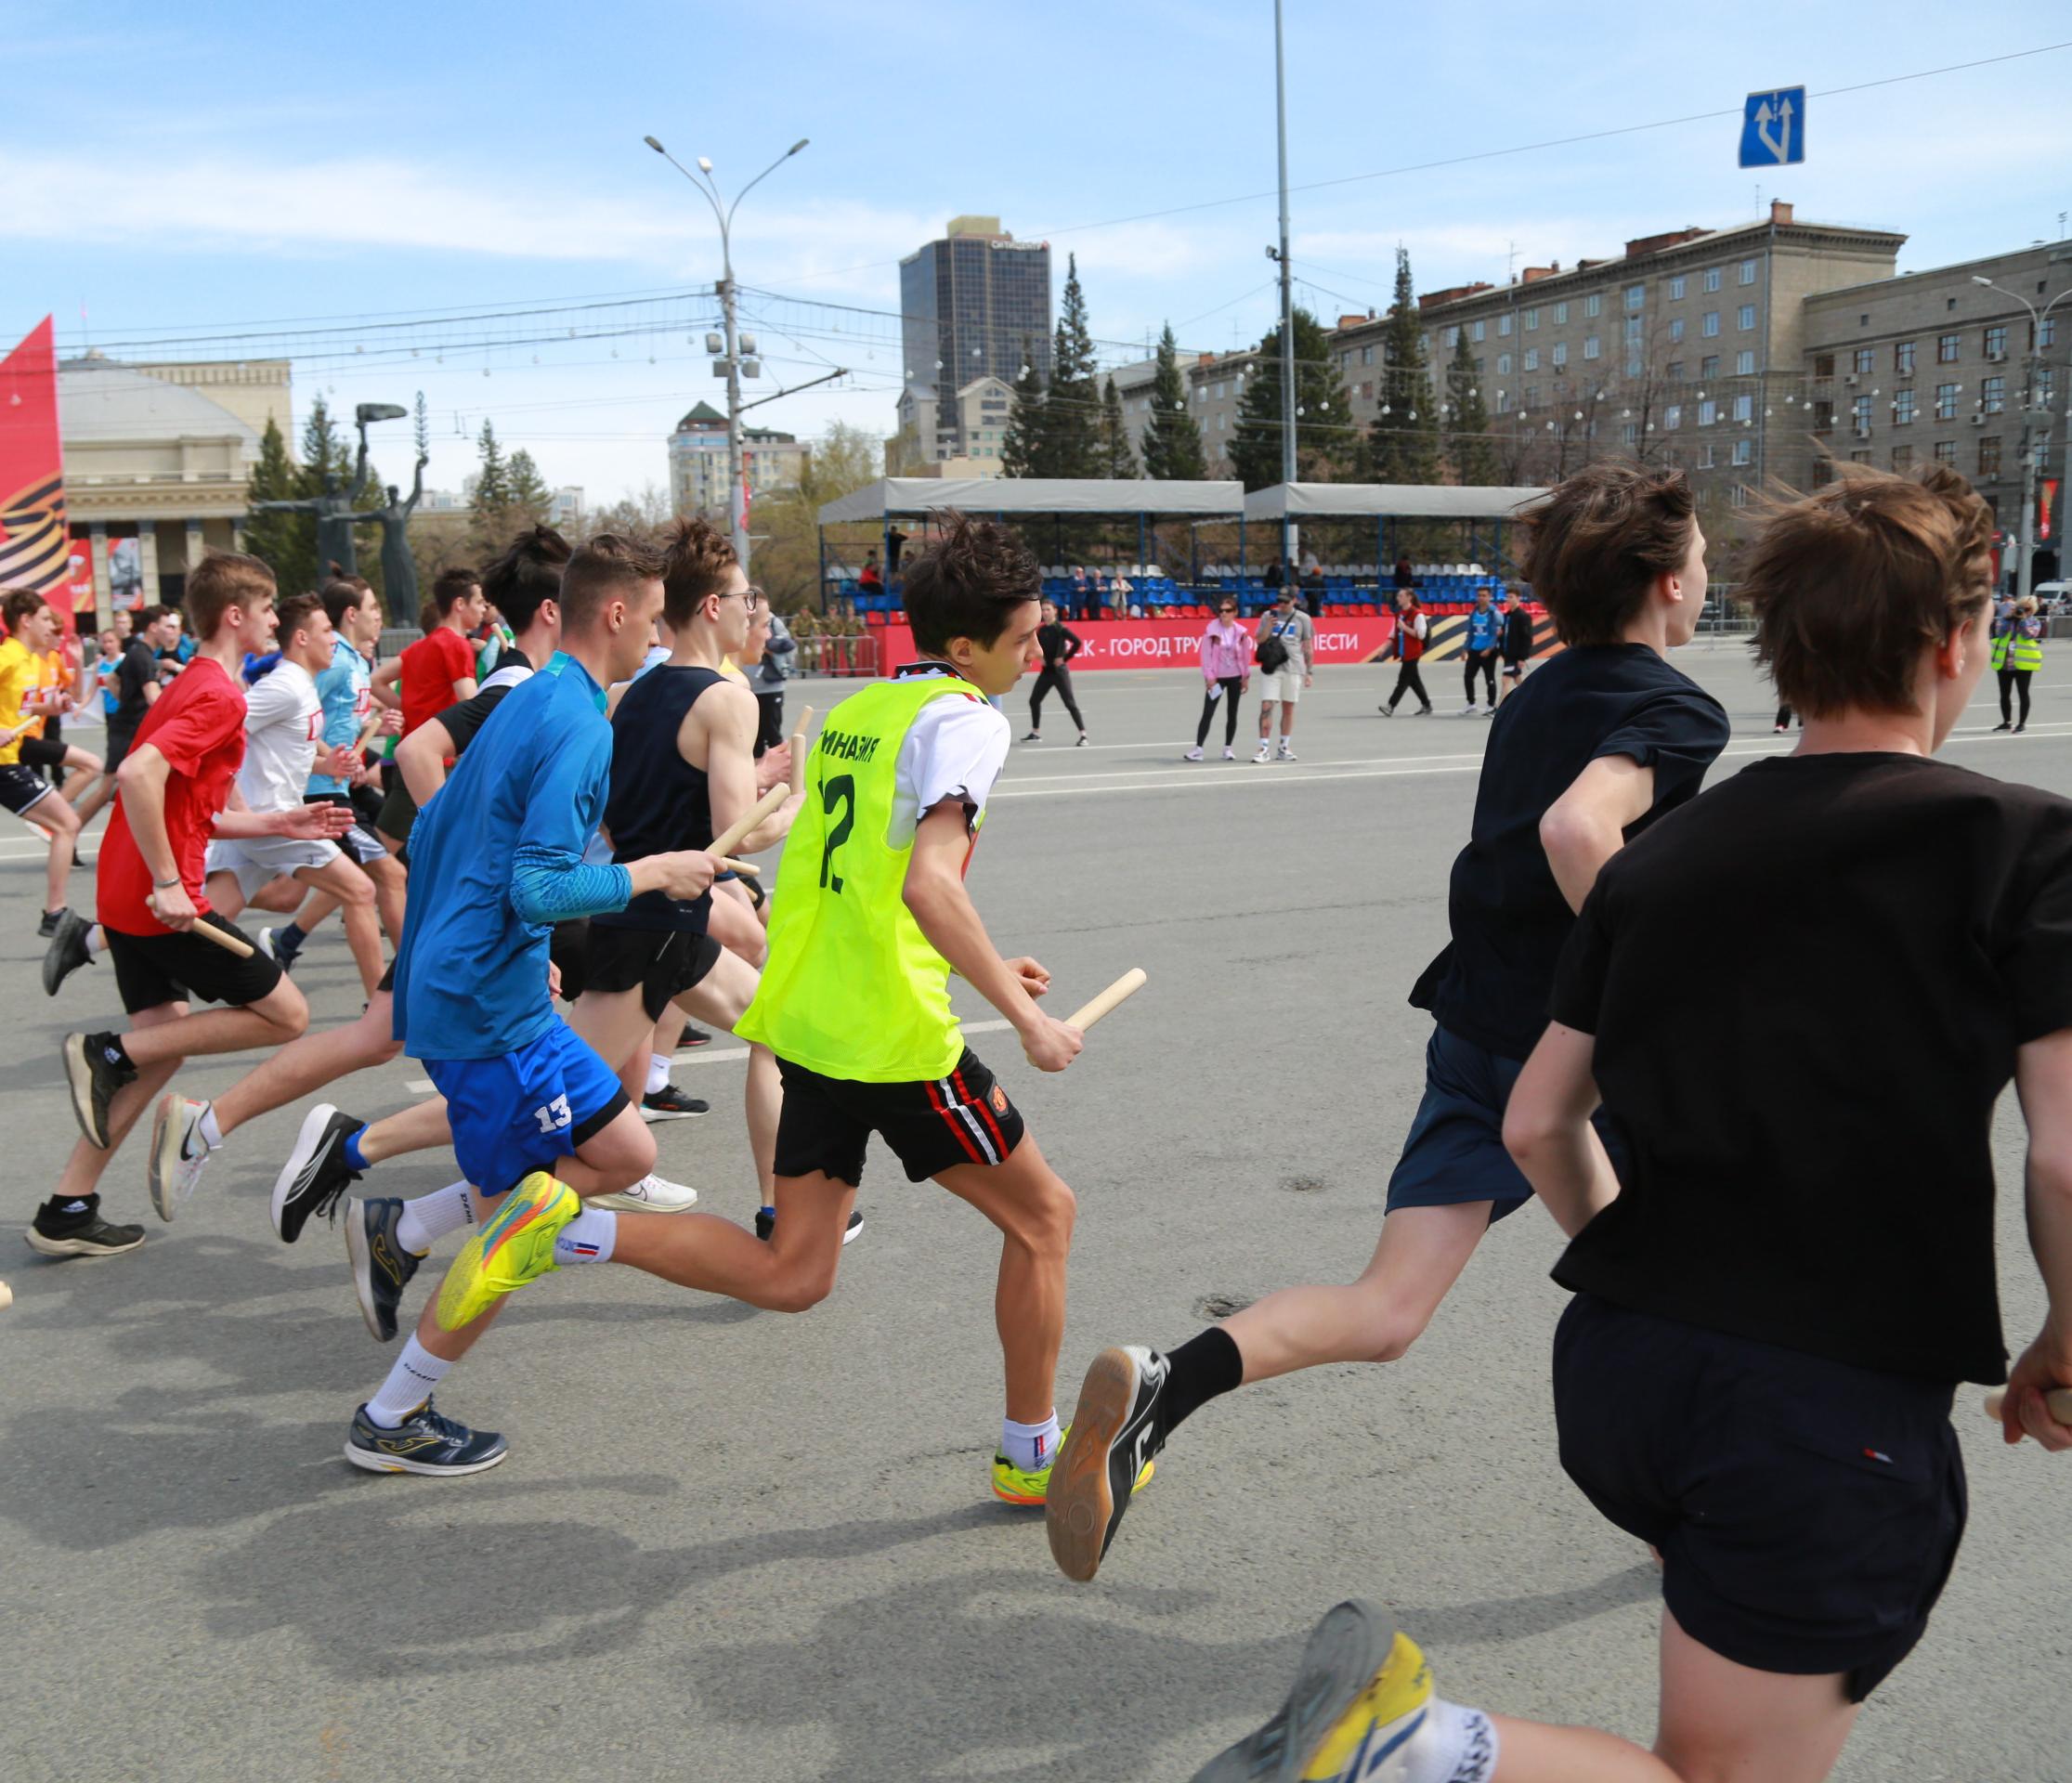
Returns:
<point x="225" y="579"/>
<point x="968" y="583"/>
<point x="609" y="565"/>
<point x="19" y="605"/>
<point x="1849" y="584"/>
<point x="293" y="614"/>
<point x="453" y="585"/>
<point x="1600" y="540"/>
<point x="696" y="557"/>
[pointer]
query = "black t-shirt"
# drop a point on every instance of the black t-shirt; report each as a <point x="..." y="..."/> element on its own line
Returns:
<point x="1517" y="634"/>
<point x="136" y="671"/>
<point x="1507" y="915"/>
<point x="659" y="802"/>
<point x="1807" y="991"/>
<point x="1058" y="644"/>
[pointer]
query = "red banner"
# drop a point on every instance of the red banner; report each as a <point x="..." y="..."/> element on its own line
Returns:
<point x="35" y="547"/>
<point x="2045" y="509"/>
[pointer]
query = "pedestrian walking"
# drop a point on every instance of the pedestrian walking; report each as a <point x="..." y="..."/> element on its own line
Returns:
<point x="1485" y="640"/>
<point x="1519" y="641"/>
<point x="1227" y="669"/>
<point x="1059" y="647"/>
<point x="1408" y="646"/>
<point x="1286" y="651"/>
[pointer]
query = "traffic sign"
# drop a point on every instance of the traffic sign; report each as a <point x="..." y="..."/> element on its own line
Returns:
<point x="1773" y="128"/>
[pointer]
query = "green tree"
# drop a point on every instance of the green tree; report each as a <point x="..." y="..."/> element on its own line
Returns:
<point x="787" y="545"/>
<point x="1326" y="441"/>
<point x="1072" y="444"/>
<point x="530" y="498"/>
<point x="286" y="542"/>
<point x="492" y="479"/>
<point x="1403" y="442"/>
<point x="1469" y="449"/>
<point x="1021" y="447"/>
<point x="1173" y="439"/>
<point x="1118" y="458"/>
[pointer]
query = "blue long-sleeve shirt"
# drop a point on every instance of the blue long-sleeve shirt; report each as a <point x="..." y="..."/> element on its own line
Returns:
<point x="496" y="860"/>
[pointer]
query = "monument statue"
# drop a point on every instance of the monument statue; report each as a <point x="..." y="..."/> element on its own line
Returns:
<point x="398" y="569"/>
<point x="334" y="508"/>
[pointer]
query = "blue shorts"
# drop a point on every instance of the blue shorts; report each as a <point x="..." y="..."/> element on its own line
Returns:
<point x="1455" y="1149"/>
<point x="522" y="1111"/>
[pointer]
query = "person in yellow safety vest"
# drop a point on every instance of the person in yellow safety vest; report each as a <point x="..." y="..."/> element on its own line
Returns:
<point x="2017" y="654"/>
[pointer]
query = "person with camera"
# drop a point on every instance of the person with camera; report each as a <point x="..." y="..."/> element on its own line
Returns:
<point x="1285" y="650"/>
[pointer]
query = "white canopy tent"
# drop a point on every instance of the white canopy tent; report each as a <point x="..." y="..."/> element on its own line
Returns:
<point x="1033" y="495"/>
<point x="1387" y="501"/>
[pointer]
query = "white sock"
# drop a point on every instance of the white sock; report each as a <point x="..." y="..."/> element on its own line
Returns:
<point x="408" y="1385"/>
<point x="96" y="942"/>
<point x="657" y="1072"/>
<point x="212" y="1135"/>
<point x="588" y="1238"/>
<point x="432" y="1216"/>
<point x="1030" y="1446"/>
<point x="1455" y="1745"/>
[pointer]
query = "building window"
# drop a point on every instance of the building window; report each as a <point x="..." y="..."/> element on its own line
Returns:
<point x="1903" y="407"/>
<point x="1705" y="457"/>
<point x="1452" y="339"/>
<point x="1590" y="346"/>
<point x="1708" y="413"/>
<point x="2047" y="335"/>
<point x="1748" y="272"/>
<point x="1672" y="417"/>
<point x="1946" y="402"/>
<point x="1740" y="495"/>
<point x="1708" y="324"/>
<point x="1902" y="457"/>
<point x="1503" y="402"/>
<point x="1744" y="363"/>
<point x="1532" y="319"/>
<point x="1503" y="365"/>
<point x="1531" y="359"/>
<point x="1744" y="317"/>
<point x="1744" y="452"/>
<point x="1708" y="367"/>
<point x="1366" y="356"/>
<point x="1476" y="330"/>
<point x="1992" y="395"/>
<point x="1712" y="278"/>
<point x="1674" y="372"/>
<point x="1630" y="433"/>
<point x="1823" y="365"/>
<point x="1859" y="417"/>
<point x="1946" y="349"/>
<point x="1823" y="472"/>
<point x="1945" y="451"/>
<point x="1903" y="358"/>
<point x="1561" y="315"/>
<point x="1503" y="324"/>
<point x="1859" y="458"/>
<point x="1990" y="456"/>
<point x="1635" y="297"/>
<point x="1593" y="303"/>
<point x="1676" y="331"/>
<point x="1996" y="342"/>
<point x="1744" y="408"/>
<point x="1561" y="352"/>
<point x="1676" y="288"/>
<point x="1861" y="365"/>
<point x="1632" y="330"/>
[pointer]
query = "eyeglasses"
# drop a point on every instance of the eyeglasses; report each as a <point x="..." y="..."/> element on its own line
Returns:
<point x="749" y="598"/>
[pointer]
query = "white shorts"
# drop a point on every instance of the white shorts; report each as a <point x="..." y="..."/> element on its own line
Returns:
<point x="1282" y="685"/>
<point x="256" y="860"/>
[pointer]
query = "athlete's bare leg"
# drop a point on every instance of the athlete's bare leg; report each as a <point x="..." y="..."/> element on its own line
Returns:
<point x="319" y="1057"/>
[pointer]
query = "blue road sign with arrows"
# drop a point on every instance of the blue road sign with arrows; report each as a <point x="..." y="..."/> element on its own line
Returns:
<point x="1773" y="128"/>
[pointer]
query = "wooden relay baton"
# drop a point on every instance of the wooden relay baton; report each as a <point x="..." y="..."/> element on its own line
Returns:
<point x="1127" y="985"/>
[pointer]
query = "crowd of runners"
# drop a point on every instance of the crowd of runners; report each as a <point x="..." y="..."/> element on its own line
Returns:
<point x="1771" y="1162"/>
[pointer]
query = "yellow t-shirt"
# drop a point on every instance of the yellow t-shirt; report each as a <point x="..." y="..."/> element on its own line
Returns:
<point x="20" y="671"/>
<point x="732" y="670"/>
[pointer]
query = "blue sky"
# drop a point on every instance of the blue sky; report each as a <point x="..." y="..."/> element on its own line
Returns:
<point x="246" y="165"/>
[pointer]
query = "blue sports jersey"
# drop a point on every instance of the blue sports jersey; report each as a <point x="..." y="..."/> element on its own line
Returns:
<point x="496" y="859"/>
<point x="346" y="690"/>
<point x="1485" y="631"/>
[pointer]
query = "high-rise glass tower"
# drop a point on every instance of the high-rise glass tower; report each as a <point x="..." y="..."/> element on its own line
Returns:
<point x="973" y="305"/>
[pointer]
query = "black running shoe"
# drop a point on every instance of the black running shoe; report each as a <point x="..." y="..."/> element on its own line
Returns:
<point x="315" y="1173"/>
<point x="422" y="1443"/>
<point x="48" y="926"/>
<point x="766" y="1223"/>
<point x="695" y="1037"/>
<point x="94" y="1068"/>
<point x="1113" y="1433"/>
<point x="382" y="1267"/>
<point x="75" y="1228"/>
<point x="668" y="1103"/>
<point x="67" y="952"/>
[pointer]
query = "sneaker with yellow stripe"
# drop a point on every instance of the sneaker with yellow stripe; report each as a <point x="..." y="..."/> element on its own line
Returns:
<point x="1028" y="1485"/>
<point x="515" y="1247"/>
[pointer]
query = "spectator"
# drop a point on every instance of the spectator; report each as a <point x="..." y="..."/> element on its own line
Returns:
<point x="1275" y="577"/>
<point x="1058" y="646"/>
<point x="1227" y="667"/>
<point x="1407" y="646"/>
<point x="1310" y="566"/>
<point x="895" y="542"/>
<point x="2016" y="655"/>
<point x="767" y="682"/>
<point x="868" y="582"/>
<point x="1485" y="644"/>
<point x="1120" y="593"/>
<point x="1085" y="602"/>
<point x="1312" y="588"/>
<point x="1406" y="578"/>
<point x="1519" y="641"/>
<point x="1286" y="649"/>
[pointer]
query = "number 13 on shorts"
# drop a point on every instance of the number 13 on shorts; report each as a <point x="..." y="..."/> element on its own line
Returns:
<point x="553" y="1116"/>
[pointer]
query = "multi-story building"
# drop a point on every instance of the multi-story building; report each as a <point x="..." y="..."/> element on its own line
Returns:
<point x="1216" y="390"/>
<point x="697" y="477"/>
<point x="1935" y="367"/>
<point x="566" y="510"/>
<point x="973" y="305"/>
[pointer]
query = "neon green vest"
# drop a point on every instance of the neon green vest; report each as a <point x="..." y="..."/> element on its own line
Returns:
<point x="2024" y="653"/>
<point x="853" y="989"/>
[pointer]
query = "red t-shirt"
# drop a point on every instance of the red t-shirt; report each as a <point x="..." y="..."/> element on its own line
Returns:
<point x="198" y="725"/>
<point x="431" y="666"/>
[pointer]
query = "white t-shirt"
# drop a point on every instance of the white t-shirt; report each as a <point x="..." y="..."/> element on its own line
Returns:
<point x="955" y="748"/>
<point x="284" y="724"/>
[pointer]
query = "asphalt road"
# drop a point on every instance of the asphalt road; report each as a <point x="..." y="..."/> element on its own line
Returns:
<point x="730" y="1544"/>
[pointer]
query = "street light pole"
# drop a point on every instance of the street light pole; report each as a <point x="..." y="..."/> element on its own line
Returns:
<point x="2036" y="425"/>
<point x="724" y="214"/>
<point x="1287" y="302"/>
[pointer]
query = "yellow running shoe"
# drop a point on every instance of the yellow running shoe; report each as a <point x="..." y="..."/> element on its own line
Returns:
<point x="1014" y="1485"/>
<point x="515" y="1247"/>
<point x="1362" y="1693"/>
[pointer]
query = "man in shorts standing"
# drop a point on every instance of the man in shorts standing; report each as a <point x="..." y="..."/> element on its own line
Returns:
<point x="1287" y="636"/>
<point x="177" y="790"/>
<point x="1607" y="738"/>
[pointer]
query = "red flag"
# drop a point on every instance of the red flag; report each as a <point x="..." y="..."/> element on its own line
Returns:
<point x="33" y="540"/>
<point x="742" y="500"/>
<point x="2044" y="508"/>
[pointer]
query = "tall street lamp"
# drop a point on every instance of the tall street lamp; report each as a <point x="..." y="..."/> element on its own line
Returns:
<point x="2036" y="423"/>
<point x="722" y="214"/>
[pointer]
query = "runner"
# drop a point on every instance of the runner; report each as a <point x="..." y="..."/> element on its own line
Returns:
<point x="432" y="674"/>
<point x="1736" y="1381"/>
<point x="176" y="787"/>
<point x="1485" y="642"/>
<point x="1058" y="645"/>
<point x="31" y="625"/>
<point x="135" y="686"/>
<point x="1606" y="738"/>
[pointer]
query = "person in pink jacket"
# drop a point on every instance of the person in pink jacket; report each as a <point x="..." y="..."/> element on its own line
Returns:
<point x="1227" y="667"/>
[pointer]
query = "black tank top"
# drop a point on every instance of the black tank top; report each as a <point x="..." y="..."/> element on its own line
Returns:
<point x="659" y="803"/>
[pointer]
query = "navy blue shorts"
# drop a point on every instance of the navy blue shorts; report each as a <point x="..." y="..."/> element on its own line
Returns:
<point x="1455" y="1151"/>
<point x="1807" y="1511"/>
<point x="521" y="1112"/>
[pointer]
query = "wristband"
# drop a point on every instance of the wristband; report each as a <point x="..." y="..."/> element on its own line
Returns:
<point x="161" y="885"/>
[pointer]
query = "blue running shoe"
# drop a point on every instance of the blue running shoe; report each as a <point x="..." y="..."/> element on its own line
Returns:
<point x="382" y="1267"/>
<point x="422" y="1443"/>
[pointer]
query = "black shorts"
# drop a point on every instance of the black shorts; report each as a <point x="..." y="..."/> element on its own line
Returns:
<point x="359" y="844"/>
<point x="662" y="962"/>
<point x="22" y="787"/>
<point x="42" y="751"/>
<point x="175" y="967"/>
<point x="1513" y="667"/>
<point x="826" y="1122"/>
<point x="1807" y="1512"/>
<point x="568" y="948"/>
<point x="398" y="811"/>
<point x="119" y="743"/>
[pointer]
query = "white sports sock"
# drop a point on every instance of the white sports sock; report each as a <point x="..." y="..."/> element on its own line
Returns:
<point x="588" y="1238"/>
<point x="657" y="1072"/>
<point x="1455" y="1745"/>
<point x="432" y="1216"/>
<point x="212" y="1135"/>
<point x="96" y="942"/>
<point x="408" y="1385"/>
<point x="1030" y="1446"/>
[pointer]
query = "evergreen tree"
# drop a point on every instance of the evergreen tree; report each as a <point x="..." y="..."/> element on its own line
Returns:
<point x="1326" y="442"/>
<point x="1072" y="445"/>
<point x="530" y="498"/>
<point x="1021" y="447"/>
<point x="1469" y="449"/>
<point x="324" y="451"/>
<point x="422" y="427"/>
<point x="1173" y="439"/>
<point x="286" y="542"/>
<point x="492" y="483"/>
<point x="1117" y="459"/>
<point x="1403" y="443"/>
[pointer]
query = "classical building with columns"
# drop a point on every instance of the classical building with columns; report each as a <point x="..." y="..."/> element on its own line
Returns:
<point x="158" y="462"/>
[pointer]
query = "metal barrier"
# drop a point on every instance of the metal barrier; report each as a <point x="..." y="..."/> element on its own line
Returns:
<point x="842" y="655"/>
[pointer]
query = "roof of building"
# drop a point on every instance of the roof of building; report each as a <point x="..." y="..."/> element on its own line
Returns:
<point x="704" y="415"/>
<point x="1398" y="501"/>
<point x="1034" y="495"/>
<point x="102" y="402"/>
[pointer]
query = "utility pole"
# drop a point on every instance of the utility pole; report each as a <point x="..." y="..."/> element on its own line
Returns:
<point x="1287" y="297"/>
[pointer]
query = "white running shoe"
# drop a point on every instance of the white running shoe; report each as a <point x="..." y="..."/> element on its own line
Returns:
<point x="1195" y="755"/>
<point x="1229" y="754"/>
<point x="1286" y="753"/>
<point x="1468" y="710"/>
<point x="178" y="1154"/>
<point x="1265" y="754"/>
<point x="651" y="1194"/>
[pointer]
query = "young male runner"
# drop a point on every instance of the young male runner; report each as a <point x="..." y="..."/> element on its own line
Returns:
<point x="177" y="788"/>
<point x="1596" y="746"/>
<point x="871" y="916"/>
<point x="136" y="686"/>
<point x="32" y="624"/>
<point x="1772" y="1314"/>
<point x="433" y="674"/>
